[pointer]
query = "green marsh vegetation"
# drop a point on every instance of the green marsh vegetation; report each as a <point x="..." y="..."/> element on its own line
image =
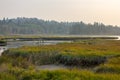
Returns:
<point x="3" y="42"/>
<point x="101" y="56"/>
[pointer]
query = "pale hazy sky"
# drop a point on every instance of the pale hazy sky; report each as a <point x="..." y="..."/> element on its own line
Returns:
<point x="89" y="11"/>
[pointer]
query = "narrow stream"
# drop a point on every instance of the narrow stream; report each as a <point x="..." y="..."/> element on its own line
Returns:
<point x="17" y="44"/>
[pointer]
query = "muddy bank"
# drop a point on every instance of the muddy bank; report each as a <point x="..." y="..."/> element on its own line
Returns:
<point x="52" y="67"/>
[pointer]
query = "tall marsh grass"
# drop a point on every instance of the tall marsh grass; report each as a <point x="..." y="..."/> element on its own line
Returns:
<point x="102" y="55"/>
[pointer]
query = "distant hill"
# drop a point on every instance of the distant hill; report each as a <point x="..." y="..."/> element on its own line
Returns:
<point x="39" y="26"/>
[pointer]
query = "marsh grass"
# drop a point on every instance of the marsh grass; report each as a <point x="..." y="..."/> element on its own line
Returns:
<point x="111" y="66"/>
<point x="102" y="55"/>
<point x="73" y="54"/>
<point x="21" y="74"/>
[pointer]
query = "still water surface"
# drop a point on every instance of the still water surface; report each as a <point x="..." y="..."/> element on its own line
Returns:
<point x="17" y="44"/>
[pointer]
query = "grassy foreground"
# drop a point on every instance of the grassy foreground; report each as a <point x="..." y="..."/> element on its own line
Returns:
<point x="101" y="56"/>
<point x="18" y="74"/>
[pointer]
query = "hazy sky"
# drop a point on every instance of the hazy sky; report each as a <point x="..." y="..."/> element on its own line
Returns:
<point x="105" y="11"/>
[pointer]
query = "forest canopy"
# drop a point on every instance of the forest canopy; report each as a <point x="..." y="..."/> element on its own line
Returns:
<point x="38" y="26"/>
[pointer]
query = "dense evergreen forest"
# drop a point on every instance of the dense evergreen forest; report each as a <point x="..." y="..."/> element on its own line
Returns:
<point x="38" y="26"/>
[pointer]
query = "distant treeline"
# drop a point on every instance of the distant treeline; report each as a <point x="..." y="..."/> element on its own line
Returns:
<point x="39" y="26"/>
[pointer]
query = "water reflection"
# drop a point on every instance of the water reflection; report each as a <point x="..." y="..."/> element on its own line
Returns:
<point x="17" y="44"/>
<point x="2" y="49"/>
